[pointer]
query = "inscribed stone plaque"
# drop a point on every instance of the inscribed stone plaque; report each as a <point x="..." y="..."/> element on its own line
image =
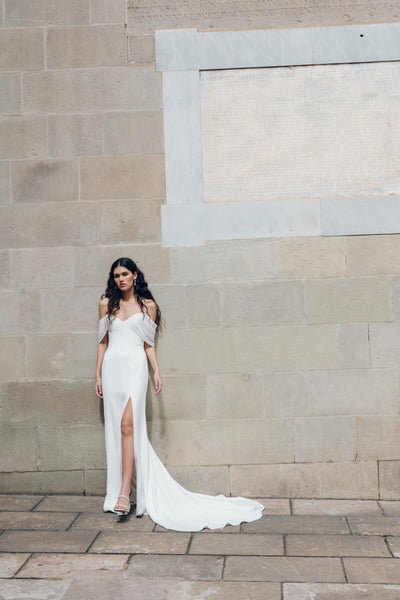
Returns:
<point x="301" y="132"/>
<point x="144" y="16"/>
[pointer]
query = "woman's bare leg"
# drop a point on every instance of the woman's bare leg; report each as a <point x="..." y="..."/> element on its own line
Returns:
<point x="127" y="449"/>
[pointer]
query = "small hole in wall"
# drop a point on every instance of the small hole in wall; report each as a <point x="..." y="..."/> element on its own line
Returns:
<point x="361" y="35"/>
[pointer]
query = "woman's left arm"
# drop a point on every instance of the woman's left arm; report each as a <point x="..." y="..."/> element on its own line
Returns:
<point x="151" y="355"/>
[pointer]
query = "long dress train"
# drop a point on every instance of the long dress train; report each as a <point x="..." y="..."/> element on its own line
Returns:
<point x="125" y="378"/>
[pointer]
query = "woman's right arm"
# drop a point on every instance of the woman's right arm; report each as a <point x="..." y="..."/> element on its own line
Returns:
<point x="101" y="349"/>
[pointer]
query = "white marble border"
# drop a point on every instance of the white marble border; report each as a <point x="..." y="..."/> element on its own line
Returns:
<point x="181" y="54"/>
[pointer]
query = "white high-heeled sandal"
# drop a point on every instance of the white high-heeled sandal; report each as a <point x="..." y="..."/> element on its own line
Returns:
<point x="123" y="511"/>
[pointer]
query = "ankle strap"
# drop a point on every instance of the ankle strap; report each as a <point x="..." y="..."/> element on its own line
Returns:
<point x="122" y="496"/>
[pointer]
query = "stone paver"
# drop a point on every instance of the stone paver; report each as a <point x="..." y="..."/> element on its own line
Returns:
<point x="372" y="570"/>
<point x="10" y="563"/>
<point x="9" y="502"/>
<point x="394" y="544"/>
<point x="141" y="543"/>
<point x="237" y="543"/>
<point x="338" y="591"/>
<point x="70" y="566"/>
<point x="283" y="568"/>
<point x="15" y="589"/>
<point x="391" y="508"/>
<point x="38" y="521"/>
<point x="297" y="524"/>
<point x="375" y="525"/>
<point x="46" y="541"/>
<point x="335" y="507"/>
<point x="71" y="504"/>
<point x="275" y="506"/>
<point x="335" y="545"/>
<point x="111" y="522"/>
<point x="176" y="567"/>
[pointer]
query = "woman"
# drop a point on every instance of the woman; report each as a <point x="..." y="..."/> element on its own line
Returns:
<point x="129" y="317"/>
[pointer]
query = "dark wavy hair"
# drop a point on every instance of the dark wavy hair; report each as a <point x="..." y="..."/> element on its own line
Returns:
<point x="141" y="289"/>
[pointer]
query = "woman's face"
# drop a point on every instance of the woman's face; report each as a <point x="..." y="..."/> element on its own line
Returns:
<point x="123" y="278"/>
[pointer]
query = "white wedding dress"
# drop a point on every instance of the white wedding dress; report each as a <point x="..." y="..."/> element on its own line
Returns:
<point x="124" y="376"/>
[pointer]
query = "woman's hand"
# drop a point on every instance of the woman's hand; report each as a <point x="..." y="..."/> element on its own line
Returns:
<point x="98" y="387"/>
<point x="157" y="383"/>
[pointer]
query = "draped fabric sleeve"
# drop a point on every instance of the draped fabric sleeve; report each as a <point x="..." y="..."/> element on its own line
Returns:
<point x="147" y="329"/>
<point x="102" y="329"/>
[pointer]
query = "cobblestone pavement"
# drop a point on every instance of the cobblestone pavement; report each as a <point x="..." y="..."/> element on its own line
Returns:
<point x="65" y="547"/>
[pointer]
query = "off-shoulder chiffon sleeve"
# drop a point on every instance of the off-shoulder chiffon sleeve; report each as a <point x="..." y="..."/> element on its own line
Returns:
<point x="102" y="329"/>
<point x="147" y="328"/>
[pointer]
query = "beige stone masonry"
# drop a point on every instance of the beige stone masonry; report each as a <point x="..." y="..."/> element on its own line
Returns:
<point x="354" y="345"/>
<point x="21" y="49"/>
<point x="83" y="359"/>
<point x="75" y="135"/>
<point x="396" y="298"/>
<point x="95" y="481"/>
<point x="389" y="479"/>
<point x="13" y="363"/>
<point x="205" y="480"/>
<point x="5" y="276"/>
<point x="10" y="99"/>
<point x="49" y="566"/>
<point x="58" y="482"/>
<point x="22" y="310"/>
<point x="19" y="449"/>
<point x="323" y="439"/>
<point x="304" y="258"/>
<point x="78" y="446"/>
<point x="385" y="344"/>
<point x="4" y="183"/>
<point x="235" y="394"/>
<point x="46" y="12"/>
<point x="70" y="309"/>
<point x="203" y="305"/>
<point x="39" y="268"/>
<point x="141" y="49"/>
<point x="378" y="437"/>
<point x="104" y="11"/>
<point x="182" y="397"/>
<point x="139" y="132"/>
<point x="50" y="180"/>
<point x="118" y="222"/>
<point x="23" y="137"/>
<point x="173" y="303"/>
<point x="49" y="356"/>
<point x="373" y="255"/>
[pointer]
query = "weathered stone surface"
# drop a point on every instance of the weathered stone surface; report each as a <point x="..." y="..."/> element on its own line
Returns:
<point x="13" y="363"/>
<point x="19" y="449"/>
<point x="396" y="297"/>
<point x="330" y="393"/>
<point x="10" y="563"/>
<point x="226" y="261"/>
<point x="283" y="568"/>
<point x="84" y="47"/>
<point x="229" y="441"/>
<point x="123" y="176"/>
<point x="22" y="310"/>
<point x="70" y="503"/>
<point x="141" y="49"/>
<point x="71" y="309"/>
<point x="4" y="183"/>
<point x="234" y="394"/>
<point x="321" y="480"/>
<point x="109" y="522"/>
<point x="103" y="11"/>
<point x="49" y="356"/>
<point x="286" y="348"/>
<point x="182" y="397"/>
<point x="141" y="543"/>
<point x="23" y="137"/>
<point x="205" y="480"/>
<point x="46" y="12"/>
<point x="65" y="224"/>
<point x="385" y="344"/>
<point x="36" y="268"/>
<point x="58" y="482"/>
<point x="10" y="100"/>
<point x="71" y="566"/>
<point x="92" y="90"/>
<point x="335" y="545"/>
<point x="391" y="508"/>
<point x="75" y="135"/>
<point x="78" y="447"/>
<point x="354" y="345"/>
<point x="206" y="568"/>
<point x="263" y="303"/>
<point x="373" y="255"/>
<point x="129" y="221"/>
<point x="351" y="300"/>
<point x="237" y="543"/>
<point x="372" y="570"/>
<point x="335" y="507"/>
<point x="173" y="303"/>
<point x="203" y="305"/>
<point x="37" y="521"/>
<point x="21" y="50"/>
<point x="374" y="525"/>
<point x="306" y="258"/>
<point x="83" y="356"/>
<point x="50" y="180"/>
<point x="322" y="439"/>
<point x="378" y="437"/>
<point x="138" y="132"/>
<point x="339" y="591"/>
<point x="45" y="590"/>
<point x="95" y="481"/>
<point x="13" y="502"/>
<point x="275" y="506"/>
<point x="46" y="541"/>
<point x="298" y="524"/>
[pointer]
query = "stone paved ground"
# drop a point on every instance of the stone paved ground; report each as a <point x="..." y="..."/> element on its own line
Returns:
<point x="65" y="547"/>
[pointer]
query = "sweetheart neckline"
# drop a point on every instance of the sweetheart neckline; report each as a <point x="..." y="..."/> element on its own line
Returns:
<point x="134" y="314"/>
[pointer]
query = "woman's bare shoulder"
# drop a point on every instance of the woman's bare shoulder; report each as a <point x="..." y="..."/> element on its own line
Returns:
<point x="103" y="307"/>
<point x="151" y="307"/>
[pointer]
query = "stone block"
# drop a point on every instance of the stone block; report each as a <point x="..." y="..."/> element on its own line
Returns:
<point x="290" y="524"/>
<point x="23" y="312"/>
<point x="50" y="180"/>
<point x="21" y="50"/>
<point x="335" y="507"/>
<point x="139" y="132"/>
<point x="227" y="260"/>
<point x="4" y="183"/>
<point x="4" y="269"/>
<point x="11" y="563"/>
<point x="50" y="403"/>
<point x="286" y="348"/>
<point x="65" y="224"/>
<point x="45" y="590"/>
<point x="10" y="99"/>
<point x="335" y="545"/>
<point x="49" y="356"/>
<point x="203" y="305"/>
<point x="141" y="49"/>
<point x="108" y="177"/>
<point x="129" y="221"/>
<point x="182" y="397"/>
<point x="70" y="503"/>
<point x="329" y="393"/>
<point x="394" y="545"/>
<point x="204" y="480"/>
<point x="92" y="265"/>
<point x="229" y="441"/>
<point x="47" y="541"/>
<point x="351" y="300"/>
<point x="103" y="11"/>
<point x="237" y="543"/>
<point x="83" y="355"/>
<point x="23" y="137"/>
<point x="108" y="522"/>
<point x="263" y="303"/>
<point x="381" y="525"/>
<point x="389" y="479"/>
<point x="390" y="508"/>
<point x="306" y="258"/>
<point x="23" y="503"/>
<point x="395" y="297"/>
<point x="372" y="570"/>
<point x="75" y="135"/>
<point x="385" y="344"/>
<point x="59" y="482"/>
<point x="378" y="437"/>
<point x="319" y="480"/>
<point x="36" y="521"/>
<point x="206" y="568"/>
<point x="86" y="47"/>
<point x="92" y="90"/>
<point x="339" y="591"/>
<point x="78" y="447"/>
<point x="275" y="506"/>
<point x="173" y="303"/>
<point x="373" y="255"/>
<point x="19" y="449"/>
<point x="234" y="395"/>
<point x="323" y="439"/>
<point x="46" y="12"/>
<point x="141" y="543"/>
<point x="13" y="362"/>
<point x="36" y="268"/>
<point x="71" y="566"/>
<point x="95" y="481"/>
<point x="71" y="310"/>
<point x="354" y="345"/>
<point x="283" y="568"/>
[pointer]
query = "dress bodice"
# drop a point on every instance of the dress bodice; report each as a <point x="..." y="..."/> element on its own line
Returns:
<point x="135" y="330"/>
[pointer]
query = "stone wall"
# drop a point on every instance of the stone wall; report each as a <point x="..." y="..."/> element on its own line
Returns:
<point x="280" y="357"/>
